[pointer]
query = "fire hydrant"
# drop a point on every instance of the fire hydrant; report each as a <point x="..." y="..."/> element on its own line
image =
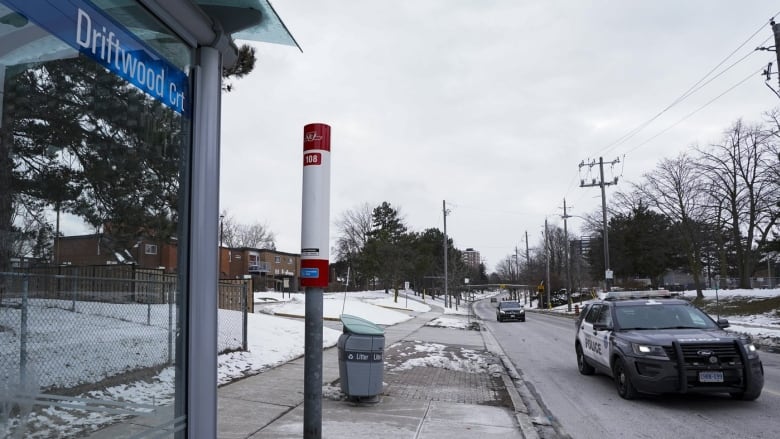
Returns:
<point x="576" y="310"/>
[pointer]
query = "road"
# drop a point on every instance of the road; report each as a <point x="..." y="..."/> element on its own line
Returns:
<point x="583" y="407"/>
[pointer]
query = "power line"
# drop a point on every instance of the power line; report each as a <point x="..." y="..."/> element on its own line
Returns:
<point x="698" y="85"/>
<point x="482" y="209"/>
<point x="689" y="93"/>
<point x="691" y="90"/>
<point x="696" y="110"/>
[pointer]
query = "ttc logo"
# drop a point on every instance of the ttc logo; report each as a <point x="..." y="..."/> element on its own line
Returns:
<point x="311" y="136"/>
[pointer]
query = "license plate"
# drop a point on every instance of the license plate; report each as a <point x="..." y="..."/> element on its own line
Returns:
<point x="711" y="377"/>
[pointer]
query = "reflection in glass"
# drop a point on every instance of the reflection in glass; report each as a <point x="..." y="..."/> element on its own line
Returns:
<point x="90" y="184"/>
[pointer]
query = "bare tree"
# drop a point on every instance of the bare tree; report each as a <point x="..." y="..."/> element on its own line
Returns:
<point x="743" y="185"/>
<point x="234" y="234"/>
<point x="507" y="269"/>
<point x="593" y="225"/>
<point x="256" y="235"/>
<point x="677" y="190"/>
<point x="773" y="159"/>
<point x="353" y="228"/>
<point x="556" y="251"/>
<point x="630" y="201"/>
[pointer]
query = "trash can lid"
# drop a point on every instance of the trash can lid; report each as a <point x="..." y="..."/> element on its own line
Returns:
<point x="357" y="325"/>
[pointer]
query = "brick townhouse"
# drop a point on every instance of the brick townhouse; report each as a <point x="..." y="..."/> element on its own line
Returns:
<point x="269" y="269"/>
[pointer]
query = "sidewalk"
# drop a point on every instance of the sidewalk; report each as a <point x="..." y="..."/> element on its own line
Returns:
<point x="417" y="402"/>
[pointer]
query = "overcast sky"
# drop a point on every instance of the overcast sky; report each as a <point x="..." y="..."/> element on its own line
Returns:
<point x="489" y="105"/>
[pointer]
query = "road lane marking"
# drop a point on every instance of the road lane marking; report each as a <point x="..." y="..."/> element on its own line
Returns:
<point x="773" y="392"/>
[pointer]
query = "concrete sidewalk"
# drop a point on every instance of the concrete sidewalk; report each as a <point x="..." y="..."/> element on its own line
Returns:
<point x="416" y="402"/>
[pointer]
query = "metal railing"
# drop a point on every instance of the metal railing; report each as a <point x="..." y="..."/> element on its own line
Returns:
<point x="259" y="267"/>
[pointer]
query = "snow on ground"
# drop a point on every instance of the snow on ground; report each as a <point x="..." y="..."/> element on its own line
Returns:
<point x="448" y="322"/>
<point x="272" y="340"/>
<point x="334" y="306"/>
<point x="438" y="355"/>
<point x="276" y="339"/>
<point x="87" y="343"/>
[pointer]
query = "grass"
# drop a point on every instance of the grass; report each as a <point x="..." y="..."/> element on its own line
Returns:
<point x="741" y="306"/>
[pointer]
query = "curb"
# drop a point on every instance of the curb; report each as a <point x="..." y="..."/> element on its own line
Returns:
<point x="395" y="308"/>
<point x="511" y="383"/>
<point x="297" y="316"/>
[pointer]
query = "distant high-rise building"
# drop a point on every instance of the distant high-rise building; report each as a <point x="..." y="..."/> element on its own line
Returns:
<point x="471" y="258"/>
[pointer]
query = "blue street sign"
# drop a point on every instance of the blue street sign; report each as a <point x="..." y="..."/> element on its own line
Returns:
<point x="310" y="272"/>
<point x="83" y="26"/>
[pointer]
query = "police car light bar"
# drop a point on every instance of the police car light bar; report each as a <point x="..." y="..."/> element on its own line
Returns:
<point x="650" y="294"/>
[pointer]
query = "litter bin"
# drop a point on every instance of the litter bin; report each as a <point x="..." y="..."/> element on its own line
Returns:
<point x="361" y="357"/>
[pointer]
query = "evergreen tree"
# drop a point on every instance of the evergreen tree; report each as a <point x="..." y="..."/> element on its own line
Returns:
<point x="77" y="138"/>
<point x="386" y="254"/>
<point x="642" y="244"/>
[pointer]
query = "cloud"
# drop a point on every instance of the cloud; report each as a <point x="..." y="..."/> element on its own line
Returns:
<point x="490" y="106"/>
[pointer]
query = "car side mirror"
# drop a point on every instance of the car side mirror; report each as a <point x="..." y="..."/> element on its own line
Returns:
<point x="601" y="327"/>
<point x="723" y="323"/>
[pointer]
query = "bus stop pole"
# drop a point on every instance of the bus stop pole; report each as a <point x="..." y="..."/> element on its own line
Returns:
<point x="312" y="365"/>
<point x="315" y="251"/>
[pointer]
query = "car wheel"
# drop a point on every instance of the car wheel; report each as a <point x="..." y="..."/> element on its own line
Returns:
<point x="625" y="388"/>
<point x="523" y="319"/>
<point x="750" y="394"/>
<point x="582" y="364"/>
<point x="746" y="396"/>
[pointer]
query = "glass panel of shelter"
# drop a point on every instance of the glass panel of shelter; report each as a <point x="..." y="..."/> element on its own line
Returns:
<point x="90" y="167"/>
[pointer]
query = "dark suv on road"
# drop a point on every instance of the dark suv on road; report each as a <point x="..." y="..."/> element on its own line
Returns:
<point x="652" y="343"/>
<point x="510" y="310"/>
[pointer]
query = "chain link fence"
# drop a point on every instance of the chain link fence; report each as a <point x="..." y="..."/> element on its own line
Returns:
<point x="65" y="328"/>
<point x="69" y="331"/>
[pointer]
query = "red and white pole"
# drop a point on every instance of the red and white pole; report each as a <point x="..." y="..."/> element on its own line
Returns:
<point x="315" y="251"/>
<point x="315" y="221"/>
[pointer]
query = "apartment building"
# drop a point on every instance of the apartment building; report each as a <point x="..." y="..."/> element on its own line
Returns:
<point x="270" y="269"/>
<point x="471" y="258"/>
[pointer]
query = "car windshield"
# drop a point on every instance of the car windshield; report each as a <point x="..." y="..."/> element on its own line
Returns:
<point x="510" y="304"/>
<point x="653" y="315"/>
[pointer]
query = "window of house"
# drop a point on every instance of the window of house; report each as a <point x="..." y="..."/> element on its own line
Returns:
<point x="150" y="249"/>
<point x="289" y="261"/>
<point x="277" y="259"/>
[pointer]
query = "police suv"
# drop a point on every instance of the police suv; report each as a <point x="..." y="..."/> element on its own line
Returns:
<point x="651" y="342"/>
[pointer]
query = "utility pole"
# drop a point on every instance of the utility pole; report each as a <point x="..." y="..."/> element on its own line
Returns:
<point x="515" y="291"/>
<point x="566" y="255"/>
<point x="768" y="71"/>
<point x="547" y="262"/>
<point x="446" y="291"/>
<point x="527" y="265"/>
<point x="776" y="31"/>
<point x="527" y="254"/>
<point x="603" y="185"/>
